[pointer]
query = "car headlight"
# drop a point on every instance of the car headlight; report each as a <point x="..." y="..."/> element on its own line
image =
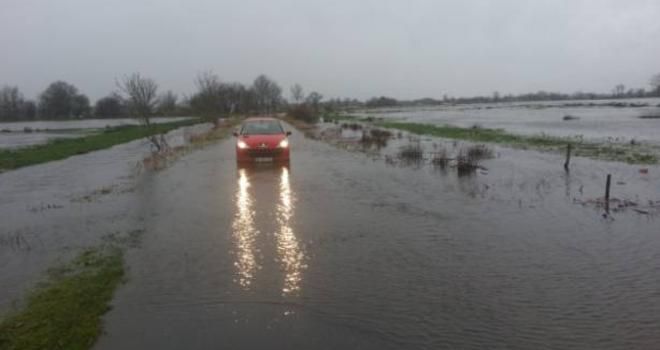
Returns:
<point x="283" y="144"/>
<point x="241" y="144"/>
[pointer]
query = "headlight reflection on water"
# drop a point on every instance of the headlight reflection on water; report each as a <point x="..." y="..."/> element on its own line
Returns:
<point x="245" y="232"/>
<point x="291" y="256"/>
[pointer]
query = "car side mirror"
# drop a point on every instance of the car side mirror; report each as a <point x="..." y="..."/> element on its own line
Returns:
<point x="288" y="133"/>
<point x="235" y="133"/>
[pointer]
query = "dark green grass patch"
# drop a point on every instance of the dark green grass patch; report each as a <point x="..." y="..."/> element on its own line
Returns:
<point x="64" y="148"/>
<point x="65" y="311"/>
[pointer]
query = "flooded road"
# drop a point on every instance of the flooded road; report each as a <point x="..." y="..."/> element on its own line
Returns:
<point x="343" y="250"/>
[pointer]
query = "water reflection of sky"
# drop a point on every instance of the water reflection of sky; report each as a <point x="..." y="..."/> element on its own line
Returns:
<point x="291" y="256"/>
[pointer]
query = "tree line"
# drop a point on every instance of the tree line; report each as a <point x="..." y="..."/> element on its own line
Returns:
<point x="619" y="91"/>
<point x="216" y="98"/>
<point x="213" y="98"/>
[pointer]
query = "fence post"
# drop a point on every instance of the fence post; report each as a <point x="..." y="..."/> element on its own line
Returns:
<point x="568" y="156"/>
<point x="607" y="193"/>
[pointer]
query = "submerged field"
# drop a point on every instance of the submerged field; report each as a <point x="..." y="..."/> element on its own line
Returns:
<point x="629" y="153"/>
<point x="592" y="120"/>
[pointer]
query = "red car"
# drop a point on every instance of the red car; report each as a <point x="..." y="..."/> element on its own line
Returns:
<point x="262" y="140"/>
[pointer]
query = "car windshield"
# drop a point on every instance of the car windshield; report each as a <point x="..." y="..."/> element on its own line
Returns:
<point x="262" y="127"/>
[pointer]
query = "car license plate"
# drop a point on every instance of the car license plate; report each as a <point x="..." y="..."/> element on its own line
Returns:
<point x="263" y="159"/>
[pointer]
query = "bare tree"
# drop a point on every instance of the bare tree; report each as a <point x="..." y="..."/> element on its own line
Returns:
<point x="205" y="101"/>
<point x="62" y="100"/>
<point x="29" y="110"/>
<point x="111" y="106"/>
<point x="619" y="90"/>
<point x="141" y="94"/>
<point x="11" y="102"/>
<point x="314" y="100"/>
<point x="167" y="103"/>
<point x="297" y="93"/>
<point x="655" y="82"/>
<point x="232" y="95"/>
<point x="216" y="99"/>
<point x="267" y="93"/>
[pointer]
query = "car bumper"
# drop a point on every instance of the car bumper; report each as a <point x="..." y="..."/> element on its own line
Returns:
<point x="262" y="154"/>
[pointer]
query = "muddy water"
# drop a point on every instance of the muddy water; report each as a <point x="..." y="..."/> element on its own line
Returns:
<point x="343" y="250"/>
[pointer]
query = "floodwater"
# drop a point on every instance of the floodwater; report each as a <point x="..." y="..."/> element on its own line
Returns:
<point x="601" y="122"/>
<point x="22" y="139"/>
<point x="14" y="135"/>
<point x="345" y="250"/>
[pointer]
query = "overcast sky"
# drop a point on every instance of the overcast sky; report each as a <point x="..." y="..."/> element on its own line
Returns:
<point x="347" y="48"/>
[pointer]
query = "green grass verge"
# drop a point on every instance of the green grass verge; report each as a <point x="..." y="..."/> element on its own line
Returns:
<point x="65" y="312"/>
<point x="633" y="154"/>
<point x="63" y="148"/>
<point x="336" y="117"/>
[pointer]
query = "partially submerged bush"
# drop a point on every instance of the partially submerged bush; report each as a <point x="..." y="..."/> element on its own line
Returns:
<point x="412" y="152"/>
<point x="377" y="137"/>
<point x="465" y="165"/>
<point x="303" y="113"/>
<point x="479" y="152"/>
<point x="380" y="133"/>
<point x="440" y="158"/>
<point x="352" y="126"/>
<point x="468" y="158"/>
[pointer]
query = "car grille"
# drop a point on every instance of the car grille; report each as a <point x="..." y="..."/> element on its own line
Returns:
<point x="264" y="152"/>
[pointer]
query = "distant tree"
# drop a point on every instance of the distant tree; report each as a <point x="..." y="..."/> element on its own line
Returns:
<point x="141" y="94"/>
<point x="496" y="96"/>
<point x="167" y="103"/>
<point x="80" y="106"/>
<point x="233" y="97"/>
<point x="619" y="90"/>
<point x="303" y="112"/>
<point x="215" y="98"/>
<point x="313" y="100"/>
<point x="382" y="102"/>
<point x="110" y="106"/>
<point x="206" y="100"/>
<point x="29" y="110"/>
<point x="655" y="83"/>
<point x="11" y="103"/>
<point x="297" y="93"/>
<point x="62" y="100"/>
<point x="267" y="93"/>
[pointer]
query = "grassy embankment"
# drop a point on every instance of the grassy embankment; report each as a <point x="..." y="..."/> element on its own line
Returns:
<point x="629" y="153"/>
<point x="65" y="311"/>
<point x="64" y="148"/>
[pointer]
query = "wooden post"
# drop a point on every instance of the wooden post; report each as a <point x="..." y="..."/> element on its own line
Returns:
<point x="607" y="193"/>
<point x="568" y="156"/>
